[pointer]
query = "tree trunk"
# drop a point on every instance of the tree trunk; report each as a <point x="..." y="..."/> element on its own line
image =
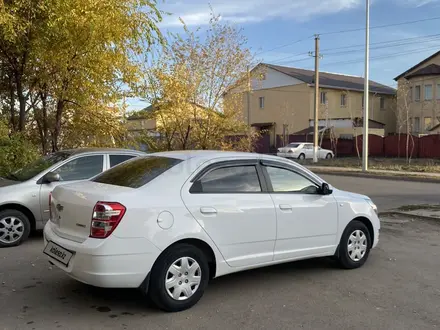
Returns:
<point x="57" y="127"/>
<point x="22" y="102"/>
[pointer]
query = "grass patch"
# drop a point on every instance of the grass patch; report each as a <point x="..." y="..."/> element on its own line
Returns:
<point x="388" y="164"/>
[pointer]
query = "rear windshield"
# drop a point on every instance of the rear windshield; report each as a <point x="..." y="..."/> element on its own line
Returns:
<point x="294" y="145"/>
<point x="136" y="172"/>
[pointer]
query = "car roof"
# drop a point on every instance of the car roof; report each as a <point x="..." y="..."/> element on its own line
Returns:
<point x="79" y="151"/>
<point x="212" y="154"/>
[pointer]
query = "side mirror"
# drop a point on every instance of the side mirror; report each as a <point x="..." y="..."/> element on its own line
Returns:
<point x="325" y="189"/>
<point x="51" y="177"/>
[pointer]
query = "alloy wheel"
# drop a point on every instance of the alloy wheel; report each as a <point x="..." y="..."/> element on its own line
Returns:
<point x="11" y="230"/>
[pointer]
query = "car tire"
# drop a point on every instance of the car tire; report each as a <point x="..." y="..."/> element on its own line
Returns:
<point x="329" y="156"/>
<point x="354" y="247"/>
<point x="163" y="270"/>
<point x="302" y="156"/>
<point x="15" y="228"/>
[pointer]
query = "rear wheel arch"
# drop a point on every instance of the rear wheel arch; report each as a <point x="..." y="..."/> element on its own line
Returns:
<point x="23" y="209"/>
<point x="202" y="246"/>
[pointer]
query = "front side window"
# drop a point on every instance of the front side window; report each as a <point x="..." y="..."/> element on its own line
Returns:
<point x="82" y="168"/>
<point x="284" y="180"/>
<point x="232" y="179"/>
<point x="38" y="166"/>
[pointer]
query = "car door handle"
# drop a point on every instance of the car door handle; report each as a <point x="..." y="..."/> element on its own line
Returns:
<point x="208" y="210"/>
<point x="285" y="207"/>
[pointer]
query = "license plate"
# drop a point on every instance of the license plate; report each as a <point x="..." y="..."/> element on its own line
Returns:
<point x="58" y="253"/>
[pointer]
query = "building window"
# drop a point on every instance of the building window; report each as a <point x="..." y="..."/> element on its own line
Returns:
<point x="417" y="92"/>
<point x="438" y="91"/>
<point x="416" y="124"/>
<point x="410" y="94"/>
<point x="343" y="100"/>
<point x="323" y="97"/>
<point x="428" y="123"/>
<point x="261" y="102"/>
<point x="363" y="101"/>
<point x="428" y="92"/>
<point x="382" y="103"/>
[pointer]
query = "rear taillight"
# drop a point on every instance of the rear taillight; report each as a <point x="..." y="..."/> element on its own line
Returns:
<point x="106" y="217"/>
<point x="50" y="206"/>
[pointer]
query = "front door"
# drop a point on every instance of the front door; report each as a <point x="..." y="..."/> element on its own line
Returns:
<point x="229" y="204"/>
<point x="77" y="169"/>
<point x="307" y="221"/>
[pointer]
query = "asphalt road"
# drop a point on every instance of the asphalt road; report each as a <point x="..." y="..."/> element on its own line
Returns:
<point x="398" y="288"/>
<point x="388" y="194"/>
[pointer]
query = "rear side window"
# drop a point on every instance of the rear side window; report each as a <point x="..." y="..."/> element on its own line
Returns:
<point x="233" y="179"/>
<point x="117" y="159"/>
<point x="137" y="172"/>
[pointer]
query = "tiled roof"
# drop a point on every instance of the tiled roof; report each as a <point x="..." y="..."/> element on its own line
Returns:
<point x="417" y="65"/>
<point x="432" y="69"/>
<point x="333" y="80"/>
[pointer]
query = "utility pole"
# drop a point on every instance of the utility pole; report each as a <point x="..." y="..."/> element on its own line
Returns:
<point x="249" y="96"/>
<point x="366" y="90"/>
<point x="316" y="110"/>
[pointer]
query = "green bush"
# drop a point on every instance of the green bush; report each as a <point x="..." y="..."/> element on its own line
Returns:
<point x="15" y="151"/>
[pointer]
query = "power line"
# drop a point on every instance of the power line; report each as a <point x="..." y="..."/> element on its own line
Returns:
<point x="384" y="56"/>
<point x="285" y="45"/>
<point x="383" y="26"/>
<point x="386" y="44"/>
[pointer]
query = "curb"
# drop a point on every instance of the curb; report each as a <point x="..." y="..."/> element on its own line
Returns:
<point x="409" y="215"/>
<point x="386" y="176"/>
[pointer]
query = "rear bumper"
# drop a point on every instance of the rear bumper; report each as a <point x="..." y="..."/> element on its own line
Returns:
<point x="110" y="263"/>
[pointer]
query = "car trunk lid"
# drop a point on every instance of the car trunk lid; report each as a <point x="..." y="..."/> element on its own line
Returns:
<point x="72" y="207"/>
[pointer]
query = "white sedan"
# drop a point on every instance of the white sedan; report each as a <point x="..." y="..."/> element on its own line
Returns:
<point x="169" y="222"/>
<point x="303" y="150"/>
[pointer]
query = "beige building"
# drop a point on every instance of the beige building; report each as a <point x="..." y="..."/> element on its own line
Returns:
<point x="418" y="100"/>
<point x="281" y="102"/>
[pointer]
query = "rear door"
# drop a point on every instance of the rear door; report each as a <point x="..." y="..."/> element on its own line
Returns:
<point x="307" y="221"/>
<point x="229" y="201"/>
<point x="76" y="169"/>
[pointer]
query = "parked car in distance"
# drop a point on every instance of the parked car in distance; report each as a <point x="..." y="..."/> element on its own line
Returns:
<point x="303" y="150"/>
<point x="169" y="222"/>
<point x="24" y="195"/>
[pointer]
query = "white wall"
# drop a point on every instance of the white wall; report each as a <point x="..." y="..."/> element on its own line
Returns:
<point x="273" y="79"/>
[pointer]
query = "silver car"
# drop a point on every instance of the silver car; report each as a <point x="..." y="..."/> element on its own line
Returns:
<point x="24" y="195"/>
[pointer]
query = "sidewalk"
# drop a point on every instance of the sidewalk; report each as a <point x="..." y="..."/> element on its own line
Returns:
<point x="382" y="174"/>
